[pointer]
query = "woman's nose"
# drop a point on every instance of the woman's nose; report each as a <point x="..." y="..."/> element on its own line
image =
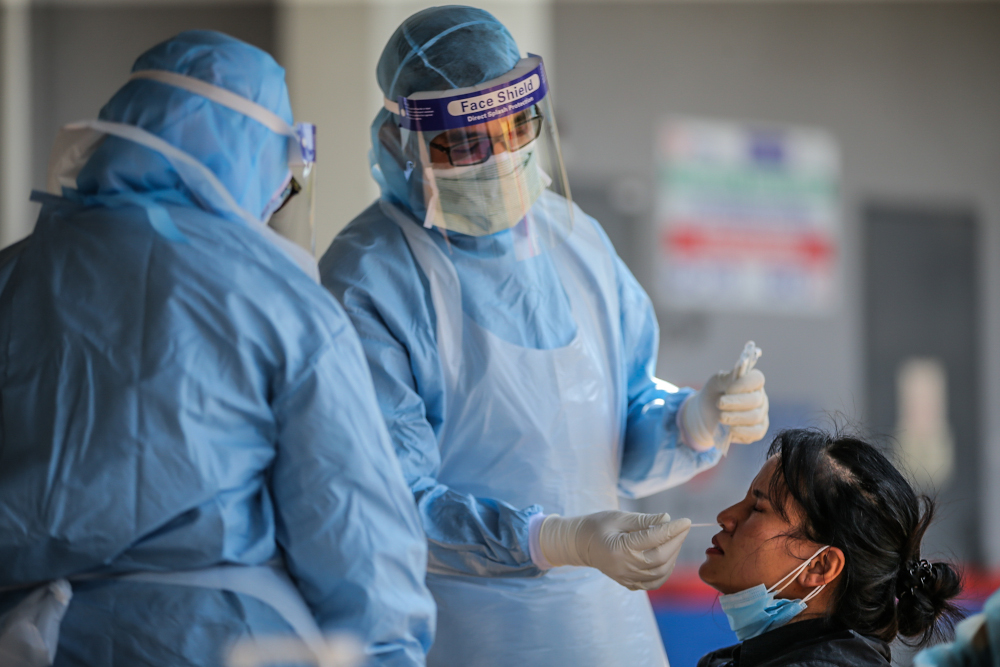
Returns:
<point x="727" y="519"/>
<point x="499" y="147"/>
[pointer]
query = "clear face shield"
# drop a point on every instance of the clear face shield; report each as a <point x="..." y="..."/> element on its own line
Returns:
<point x="294" y="204"/>
<point x="488" y="157"/>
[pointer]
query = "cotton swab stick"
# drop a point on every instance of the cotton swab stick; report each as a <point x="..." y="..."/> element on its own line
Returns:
<point x="704" y="525"/>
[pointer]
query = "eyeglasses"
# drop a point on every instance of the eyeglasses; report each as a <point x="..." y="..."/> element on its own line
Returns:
<point x="293" y="188"/>
<point x="475" y="149"/>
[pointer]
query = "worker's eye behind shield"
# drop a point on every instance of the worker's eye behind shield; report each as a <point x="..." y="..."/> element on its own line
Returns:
<point x="484" y="161"/>
<point x="476" y="144"/>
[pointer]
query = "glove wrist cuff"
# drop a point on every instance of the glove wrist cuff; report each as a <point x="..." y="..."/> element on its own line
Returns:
<point x="534" y="545"/>
<point x="557" y="541"/>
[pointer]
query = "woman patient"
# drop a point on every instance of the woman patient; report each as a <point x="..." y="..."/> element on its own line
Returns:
<point x="820" y="563"/>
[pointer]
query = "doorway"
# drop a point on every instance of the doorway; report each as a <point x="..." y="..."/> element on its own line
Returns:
<point x="922" y="359"/>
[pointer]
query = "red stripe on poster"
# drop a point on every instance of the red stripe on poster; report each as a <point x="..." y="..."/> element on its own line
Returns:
<point x="692" y="242"/>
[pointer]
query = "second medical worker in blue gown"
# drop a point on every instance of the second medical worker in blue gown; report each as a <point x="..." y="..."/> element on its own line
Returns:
<point x="513" y="356"/>
<point x="182" y="403"/>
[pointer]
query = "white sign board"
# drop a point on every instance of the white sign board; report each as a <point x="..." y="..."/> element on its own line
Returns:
<point x="748" y="217"/>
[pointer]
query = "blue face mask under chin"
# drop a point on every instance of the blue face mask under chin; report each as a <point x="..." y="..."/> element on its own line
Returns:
<point x="754" y="611"/>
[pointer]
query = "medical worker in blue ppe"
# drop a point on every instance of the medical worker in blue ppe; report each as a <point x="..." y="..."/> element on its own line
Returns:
<point x="513" y="356"/>
<point x="977" y="641"/>
<point x="191" y="451"/>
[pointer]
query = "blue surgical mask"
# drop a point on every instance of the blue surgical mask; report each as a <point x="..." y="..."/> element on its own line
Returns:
<point x="754" y="611"/>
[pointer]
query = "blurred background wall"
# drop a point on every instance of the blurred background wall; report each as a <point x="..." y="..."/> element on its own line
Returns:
<point x="908" y="92"/>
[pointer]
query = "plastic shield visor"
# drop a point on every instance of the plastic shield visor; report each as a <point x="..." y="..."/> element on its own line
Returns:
<point x="294" y="215"/>
<point x="489" y="158"/>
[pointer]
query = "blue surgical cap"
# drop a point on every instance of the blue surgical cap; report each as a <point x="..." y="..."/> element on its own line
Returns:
<point x="439" y="48"/>
<point x="248" y="158"/>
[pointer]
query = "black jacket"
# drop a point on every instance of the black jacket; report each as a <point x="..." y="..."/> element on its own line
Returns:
<point x="812" y="643"/>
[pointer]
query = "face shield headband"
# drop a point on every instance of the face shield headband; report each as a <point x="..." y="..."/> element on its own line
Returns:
<point x="436" y="111"/>
<point x="486" y="155"/>
<point x="302" y="144"/>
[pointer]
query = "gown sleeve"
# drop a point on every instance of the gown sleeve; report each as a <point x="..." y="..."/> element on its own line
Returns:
<point x="344" y="518"/>
<point x="466" y="534"/>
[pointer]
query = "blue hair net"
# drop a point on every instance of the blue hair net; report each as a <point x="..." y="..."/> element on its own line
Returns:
<point x="249" y="159"/>
<point x="439" y="48"/>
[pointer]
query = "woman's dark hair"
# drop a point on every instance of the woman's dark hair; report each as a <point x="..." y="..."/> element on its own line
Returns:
<point x="854" y="499"/>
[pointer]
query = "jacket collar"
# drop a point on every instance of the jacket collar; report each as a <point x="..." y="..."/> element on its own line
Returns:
<point x="769" y="645"/>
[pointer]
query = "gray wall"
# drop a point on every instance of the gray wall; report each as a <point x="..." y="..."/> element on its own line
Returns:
<point x="911" y="92"/>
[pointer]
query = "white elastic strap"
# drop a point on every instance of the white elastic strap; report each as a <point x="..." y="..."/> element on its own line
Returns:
<point x="446" y="292"/>
<point x="816" y="591"/>
<point x="790" y="577"/>
<point x="390" y="106"/>
<point x="226" y="98"/>
<point x="269" y="584"/>
<point x="181" y="161"/>
<point x="172" y="153"/>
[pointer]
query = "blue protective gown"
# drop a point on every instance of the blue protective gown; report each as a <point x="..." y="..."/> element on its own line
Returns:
<point x="176" y="405"/>
<point x="976" y="644"/>
<point x="520" y="305"/>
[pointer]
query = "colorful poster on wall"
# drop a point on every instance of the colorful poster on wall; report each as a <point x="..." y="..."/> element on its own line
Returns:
<point x="748" y="217"/>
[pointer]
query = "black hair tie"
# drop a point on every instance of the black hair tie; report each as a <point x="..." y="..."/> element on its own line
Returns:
<point x="918" y="574"/>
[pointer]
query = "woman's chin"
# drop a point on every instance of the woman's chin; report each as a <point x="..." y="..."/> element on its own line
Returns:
<point x="707" y="572"/>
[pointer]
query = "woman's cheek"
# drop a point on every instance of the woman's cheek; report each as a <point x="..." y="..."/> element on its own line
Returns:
<point x="757" y="542"/>
<point x="755" y="528"/>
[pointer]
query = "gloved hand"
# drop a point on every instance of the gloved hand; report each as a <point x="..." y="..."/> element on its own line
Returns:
<point x="638" y="551"/>
<point x="731" y="407"/>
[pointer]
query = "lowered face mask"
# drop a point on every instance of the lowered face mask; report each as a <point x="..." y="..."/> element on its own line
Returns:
<point x="485" y="198"/>
<point x="754" y="611"/>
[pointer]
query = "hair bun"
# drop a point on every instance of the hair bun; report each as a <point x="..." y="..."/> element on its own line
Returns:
<point x="924" y="590"/>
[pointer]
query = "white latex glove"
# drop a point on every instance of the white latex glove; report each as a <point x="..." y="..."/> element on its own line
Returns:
<point x="734" y="400"/>
<point x="638" y="551"/>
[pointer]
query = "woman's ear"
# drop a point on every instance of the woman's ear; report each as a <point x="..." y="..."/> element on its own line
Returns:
<point x="824" y="569"/>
